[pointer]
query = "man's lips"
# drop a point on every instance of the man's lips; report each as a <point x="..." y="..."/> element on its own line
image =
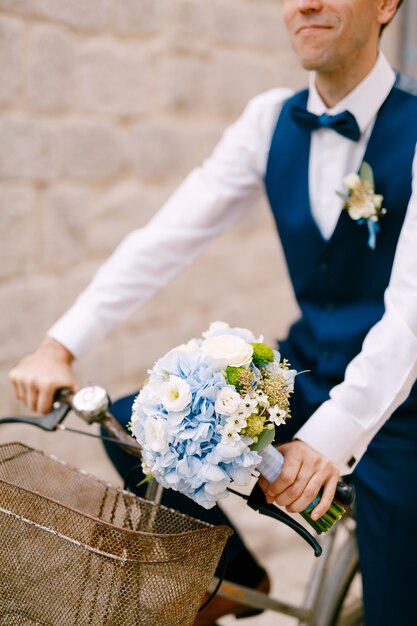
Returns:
<point x="311" y="28"/>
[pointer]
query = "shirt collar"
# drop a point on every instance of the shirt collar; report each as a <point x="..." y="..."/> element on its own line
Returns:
<point x="364" y="100"/>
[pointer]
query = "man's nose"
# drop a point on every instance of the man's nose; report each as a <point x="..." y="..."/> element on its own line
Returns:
<point x="309" y="6"/>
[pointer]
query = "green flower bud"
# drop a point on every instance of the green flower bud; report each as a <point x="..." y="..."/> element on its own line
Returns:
<point x="262" y="354"/>
<point x="232" y="376"/>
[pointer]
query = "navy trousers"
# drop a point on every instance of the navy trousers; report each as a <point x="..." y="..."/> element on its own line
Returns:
<point x="385" y="481"/>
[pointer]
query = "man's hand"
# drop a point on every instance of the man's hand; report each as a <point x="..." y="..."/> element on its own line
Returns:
<point x="302" y="476"/>
<point x="38" y="376"/>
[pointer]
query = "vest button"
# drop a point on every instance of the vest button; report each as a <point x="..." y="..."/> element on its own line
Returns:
<point x="323" y="267"/>
<point x="329" y="306"/>
<point x="325" y="355"/>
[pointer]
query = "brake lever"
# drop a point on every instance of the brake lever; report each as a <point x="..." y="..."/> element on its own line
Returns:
<point x="256" y="500"/>
<point x="48" y="422"/>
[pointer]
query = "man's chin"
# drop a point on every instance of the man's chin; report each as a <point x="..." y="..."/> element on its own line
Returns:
<point x="312" y="62"/>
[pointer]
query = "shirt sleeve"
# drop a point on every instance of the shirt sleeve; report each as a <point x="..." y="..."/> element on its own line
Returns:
<point x="380" y="377"/>
<point x="211" y="199"/>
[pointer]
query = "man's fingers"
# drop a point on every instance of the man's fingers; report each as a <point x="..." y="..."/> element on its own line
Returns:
<point x="302" y="493"/>
<point x="15" y="387"/>
<point x="21" y="392"/>
<point x="287" y="477"/>
<point x="32" y="396"/>
<point x="326" y="498"/>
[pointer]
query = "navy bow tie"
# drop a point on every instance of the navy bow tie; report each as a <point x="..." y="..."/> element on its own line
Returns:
<point x="343" y="123"/>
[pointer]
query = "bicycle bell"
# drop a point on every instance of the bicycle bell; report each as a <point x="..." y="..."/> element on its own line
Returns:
<point x="90" y="403"/>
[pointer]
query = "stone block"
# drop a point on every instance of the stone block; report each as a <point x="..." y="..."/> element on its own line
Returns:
<point x="79" y="14"/>
<point x="183" y="83"/>
<point x="65" y="224"/>
<point x="91" y="149"/>
<point x="188" y="25"/>
<point x="50" y="71"/>
<point x="27" y="148"/>
<point x="253" y="25"/>
<point x="19" y="243"/>
<point x="142" y="18"/>
<point x="10" y="59"/>
<point x="118" y="210"/>
<point x="168" y="149"/>
<point x="18" y="6"/>
<point x="237" y="77"/>
<point x="114" y="78"/>
<point x="29" y="305"/>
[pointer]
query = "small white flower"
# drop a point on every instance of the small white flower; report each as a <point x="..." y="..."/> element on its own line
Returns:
<point x="262" y="398"/>
<point x="351" y="181"/>
<point x="248" y="405"/>
<point x="228" y="350"/>
<point x="227" y="401"/>
<point x="175" y="394"/>
<point x="238" y="420"/>
<point x="229" y="433"/>
<point x="277" y="415"/>
<point x="156" y="436"/>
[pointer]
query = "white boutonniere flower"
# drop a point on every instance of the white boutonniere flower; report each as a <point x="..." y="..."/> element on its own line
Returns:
<point x="361" y="202"/>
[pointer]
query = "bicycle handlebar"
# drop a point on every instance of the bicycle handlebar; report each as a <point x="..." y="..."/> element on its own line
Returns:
<point x="66" y="401"/>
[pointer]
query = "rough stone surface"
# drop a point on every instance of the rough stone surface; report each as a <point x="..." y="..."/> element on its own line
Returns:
<point x="29" y="308"/>
<point x="65" y="225"/>
<point x="50" y="73"/>
<point x="238" y="76"/>
<point x="10" y="59"/>
<point x="162" y="149"/>
<point x="143" y="18"/>
<point x="19" y="247"/>
<point x="18" y="6"/>
<point x="190" y="23"/>
<point x="114" y="78"/>
<point x="253" y="25"/>
<point x="92" y="15"/>
<point x="27" y="148"/>
<point x="118" y="210"/>
<point x="183" y="83"/>
<point x="91" y="149"/>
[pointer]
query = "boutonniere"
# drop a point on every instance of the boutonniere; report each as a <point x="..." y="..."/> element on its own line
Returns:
<point x="361" y="202"/>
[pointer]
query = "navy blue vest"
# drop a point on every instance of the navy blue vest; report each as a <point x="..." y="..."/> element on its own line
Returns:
<point x="339" y="283"/>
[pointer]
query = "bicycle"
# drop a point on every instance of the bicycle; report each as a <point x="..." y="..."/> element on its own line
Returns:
<point x="327" y="601"/>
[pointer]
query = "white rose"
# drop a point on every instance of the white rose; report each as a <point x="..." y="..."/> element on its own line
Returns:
<point x="228" y="350"/>
<point x="156" y="437"/>
<point x="227" y="401"/>
<point x="215" y="328"/>
<point x="351" y="181"/>
<point x="222" y="328"/>
<point x="175" y="394"/>
<point x="190" y="346"/>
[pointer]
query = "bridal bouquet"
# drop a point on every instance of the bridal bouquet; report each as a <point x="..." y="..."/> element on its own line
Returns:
<point x="207" y="410"/>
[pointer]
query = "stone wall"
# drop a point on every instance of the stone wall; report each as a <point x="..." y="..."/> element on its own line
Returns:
<point x="104" y="106"/>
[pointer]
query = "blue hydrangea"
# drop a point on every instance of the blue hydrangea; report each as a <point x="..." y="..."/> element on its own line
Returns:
<point x="183" y="448"/>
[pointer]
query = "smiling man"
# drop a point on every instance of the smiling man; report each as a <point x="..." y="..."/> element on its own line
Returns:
<point x="354" y="274"/>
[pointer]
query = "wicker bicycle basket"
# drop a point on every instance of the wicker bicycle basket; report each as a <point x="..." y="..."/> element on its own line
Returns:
<point x="77" y="551"/>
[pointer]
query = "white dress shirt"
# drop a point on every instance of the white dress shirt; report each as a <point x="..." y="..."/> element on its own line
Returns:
<point x="213" y="198"/>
